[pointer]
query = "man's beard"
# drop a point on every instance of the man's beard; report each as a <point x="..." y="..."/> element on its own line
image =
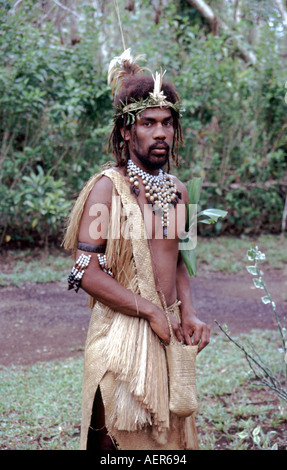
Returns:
<point x="158" y="162"/>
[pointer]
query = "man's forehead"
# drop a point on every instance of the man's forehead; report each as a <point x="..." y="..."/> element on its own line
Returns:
<point x="156" y="113"/>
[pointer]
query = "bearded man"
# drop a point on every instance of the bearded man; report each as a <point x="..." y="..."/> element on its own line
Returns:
<point x="134" y="273"/>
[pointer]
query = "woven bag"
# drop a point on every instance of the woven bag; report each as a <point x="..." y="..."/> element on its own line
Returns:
<point x="181" y="360"/>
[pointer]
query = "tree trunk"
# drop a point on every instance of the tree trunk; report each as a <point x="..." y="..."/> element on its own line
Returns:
<point x="236" y="14"/>
<point x="280" y="6"/>
<point x="215" y="22"/>
<point x="284" y="216"/>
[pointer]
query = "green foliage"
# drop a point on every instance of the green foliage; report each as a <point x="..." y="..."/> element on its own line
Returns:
<point x="44" y="404"/>
<point x="52" y="107"/>
<point x="188" y="244"/>
<point x="56" y="108"/>
<point x="43" y="199"/>
<point x="31" y="266"/>
<point x="261" y="440"/>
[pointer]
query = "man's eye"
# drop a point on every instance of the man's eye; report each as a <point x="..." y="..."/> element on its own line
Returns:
<point x="168" y="123"/>
<point x="147" y="124"/>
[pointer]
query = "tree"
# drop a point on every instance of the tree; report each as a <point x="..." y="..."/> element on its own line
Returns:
<point x="282" y="10"/>
<point x="216" y="23"/>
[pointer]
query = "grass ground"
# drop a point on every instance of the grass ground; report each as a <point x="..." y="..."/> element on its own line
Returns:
<point x="228" y="254"/>
<point x="40" y="405"/>
<point x="233" y="407"/>
<point x="223" y="254"/>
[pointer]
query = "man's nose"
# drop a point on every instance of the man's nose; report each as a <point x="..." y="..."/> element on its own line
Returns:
<point x="159" y="132"/>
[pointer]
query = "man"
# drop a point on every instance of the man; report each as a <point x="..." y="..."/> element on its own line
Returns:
<point x="128" y="221"/>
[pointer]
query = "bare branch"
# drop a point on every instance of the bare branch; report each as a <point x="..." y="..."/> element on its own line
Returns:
<point x="236" y="14"/>
<point x="284" y="216"/>
<point x="282" y="10"/>
<point x="214" y="21"/>
<point x="203" y="9"/>
<point x="15" y="6"/>
<point x="66" y="8"/>
<point x="260" y="372"/>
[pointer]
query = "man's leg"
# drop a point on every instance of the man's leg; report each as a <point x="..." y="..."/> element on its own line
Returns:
<point x="98" y="438"/>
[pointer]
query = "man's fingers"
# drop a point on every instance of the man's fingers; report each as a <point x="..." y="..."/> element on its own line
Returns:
<point x="204" y="339"/>
<point x="187" y="339"/>
<point x="197" y="335"/>
<point x="200" y="337"/>
<point x="177" y="329"/>
<point x="179" y="334"/>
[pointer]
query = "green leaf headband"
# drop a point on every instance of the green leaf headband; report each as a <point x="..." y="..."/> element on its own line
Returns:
<point x="124" y="65"/>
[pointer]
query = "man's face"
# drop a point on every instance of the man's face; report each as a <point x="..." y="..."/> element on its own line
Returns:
<point x="151" y="137"/>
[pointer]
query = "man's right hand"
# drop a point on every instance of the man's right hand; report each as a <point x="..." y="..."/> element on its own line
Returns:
<point x="158" y="323"/>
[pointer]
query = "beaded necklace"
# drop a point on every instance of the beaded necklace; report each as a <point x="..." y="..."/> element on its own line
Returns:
<point x="160" y="191"/>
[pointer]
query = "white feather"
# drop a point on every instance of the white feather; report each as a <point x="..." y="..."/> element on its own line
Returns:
<point x="125" y="56"/>
<point x="157" y="93"/>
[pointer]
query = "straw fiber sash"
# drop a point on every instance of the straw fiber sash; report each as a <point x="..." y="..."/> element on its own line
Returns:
<point x="132" y="350"/>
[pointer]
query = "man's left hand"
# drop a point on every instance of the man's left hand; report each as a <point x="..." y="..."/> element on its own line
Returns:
<point x="195" y="332"/>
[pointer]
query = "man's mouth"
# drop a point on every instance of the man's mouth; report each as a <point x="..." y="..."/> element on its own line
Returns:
<point x="160" y="149"/>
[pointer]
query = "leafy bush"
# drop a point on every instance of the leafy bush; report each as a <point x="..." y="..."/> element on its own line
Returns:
<point x="43" y="199"/>
<point x="52" y="108"/>
<point x="55" y="109"/>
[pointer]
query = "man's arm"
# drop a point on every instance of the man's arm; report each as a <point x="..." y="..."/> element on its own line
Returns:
<point x="99" y="284"/>
<point x="194" y="330"/>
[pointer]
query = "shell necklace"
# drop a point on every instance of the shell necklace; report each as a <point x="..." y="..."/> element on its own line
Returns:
<point x="160" y="191"/>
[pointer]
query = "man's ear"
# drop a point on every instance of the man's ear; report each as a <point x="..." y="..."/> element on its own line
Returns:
<point x="126" y="134"/>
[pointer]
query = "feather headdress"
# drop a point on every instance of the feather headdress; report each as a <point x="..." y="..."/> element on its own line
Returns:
<point x="121" y="67"/>
<point x="157" y="93"/>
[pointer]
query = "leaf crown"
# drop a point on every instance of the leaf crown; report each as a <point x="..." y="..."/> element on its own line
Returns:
<point x="123" y="66"/>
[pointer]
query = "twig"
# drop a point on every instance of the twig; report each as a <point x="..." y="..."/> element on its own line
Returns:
<point x="284" y="216"/>
<point x="15" y="6"/>
<point x="266" y="377"/>
<point x="66" y="8"/>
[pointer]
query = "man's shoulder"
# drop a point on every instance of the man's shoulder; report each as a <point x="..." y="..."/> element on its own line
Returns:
<point x="102" y="188"/>
<point x="103" y="184"/>
<point x="105" y="176"/>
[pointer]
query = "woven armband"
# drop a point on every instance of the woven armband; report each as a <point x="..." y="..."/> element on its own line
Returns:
<point x="91" y="248"/>
<point x="75" y="278"/>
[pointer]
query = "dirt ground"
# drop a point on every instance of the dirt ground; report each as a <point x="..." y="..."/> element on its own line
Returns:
<point x="43" y="322"/>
